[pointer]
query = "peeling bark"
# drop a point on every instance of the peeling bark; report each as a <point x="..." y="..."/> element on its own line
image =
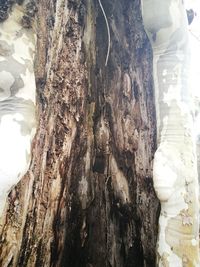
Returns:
<point x="88" y="198"/>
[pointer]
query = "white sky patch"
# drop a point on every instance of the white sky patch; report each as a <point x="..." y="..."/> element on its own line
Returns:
<point x="22" y="49"/>
<point x="14" y="147"/>
<point x="13" y="155"/>
<point x="171" y="94"/>
<point x="194" y="34"/>
<point x="194" y="29"/>
<point x="28" y="91"/>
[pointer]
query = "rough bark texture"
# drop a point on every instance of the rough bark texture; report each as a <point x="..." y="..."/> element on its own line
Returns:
<point x="88" y="198"/>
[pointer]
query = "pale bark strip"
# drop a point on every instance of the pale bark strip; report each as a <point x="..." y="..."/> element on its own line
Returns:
<point x="175" y="169"/>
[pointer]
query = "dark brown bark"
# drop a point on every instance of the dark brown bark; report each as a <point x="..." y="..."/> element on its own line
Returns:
<point x="96" y="132"/>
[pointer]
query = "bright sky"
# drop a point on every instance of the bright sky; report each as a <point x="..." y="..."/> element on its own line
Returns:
<point x="194" y="29"/>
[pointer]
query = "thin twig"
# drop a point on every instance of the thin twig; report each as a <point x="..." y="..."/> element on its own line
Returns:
<point x="195" y="36"/>
<point x="108" y="31"/>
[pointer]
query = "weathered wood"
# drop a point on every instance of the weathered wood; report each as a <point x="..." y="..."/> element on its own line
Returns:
<point x="88" y="198"/>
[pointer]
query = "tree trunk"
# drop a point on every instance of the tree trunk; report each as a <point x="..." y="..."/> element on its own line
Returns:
<point x="88" y="198"/>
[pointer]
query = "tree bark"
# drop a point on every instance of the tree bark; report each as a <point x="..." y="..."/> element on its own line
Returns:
<point x="88" y="198"/>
